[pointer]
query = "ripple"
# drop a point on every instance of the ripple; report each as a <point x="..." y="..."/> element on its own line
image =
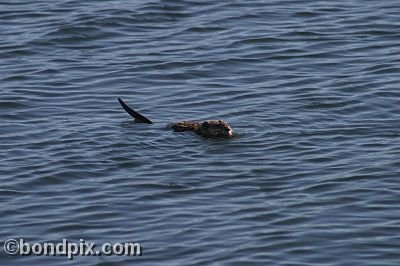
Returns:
<point x="310" y="90"/>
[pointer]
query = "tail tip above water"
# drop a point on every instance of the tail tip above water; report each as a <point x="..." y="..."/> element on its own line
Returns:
<point x="138" y="117"/>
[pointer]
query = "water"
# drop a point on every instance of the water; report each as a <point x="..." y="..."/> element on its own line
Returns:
<point x="311" y="89"/>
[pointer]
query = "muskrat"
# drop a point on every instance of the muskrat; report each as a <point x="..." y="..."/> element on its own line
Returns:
<point x="207" y="129"/>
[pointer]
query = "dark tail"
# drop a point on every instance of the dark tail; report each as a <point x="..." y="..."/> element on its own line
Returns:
<point x="138" y="117"/>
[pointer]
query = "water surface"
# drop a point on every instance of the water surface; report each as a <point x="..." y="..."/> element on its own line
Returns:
<point x="310" y="88"/>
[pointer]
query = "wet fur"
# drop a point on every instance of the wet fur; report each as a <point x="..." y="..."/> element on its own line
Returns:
<point x="207" y="129"/>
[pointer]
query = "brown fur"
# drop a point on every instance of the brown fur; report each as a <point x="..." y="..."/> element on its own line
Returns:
<point x="208" y="129"/>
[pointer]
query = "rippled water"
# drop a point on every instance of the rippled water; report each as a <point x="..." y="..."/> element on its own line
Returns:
<point x="311" y="89"/>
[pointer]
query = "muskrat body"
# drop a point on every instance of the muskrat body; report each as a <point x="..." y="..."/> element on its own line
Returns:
<point x="207" y="129"/>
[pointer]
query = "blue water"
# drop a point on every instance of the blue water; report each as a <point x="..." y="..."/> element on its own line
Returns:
<point x="311" y="89"/>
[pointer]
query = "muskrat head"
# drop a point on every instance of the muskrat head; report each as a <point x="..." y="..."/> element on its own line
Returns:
<point x="215" y="129"/>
